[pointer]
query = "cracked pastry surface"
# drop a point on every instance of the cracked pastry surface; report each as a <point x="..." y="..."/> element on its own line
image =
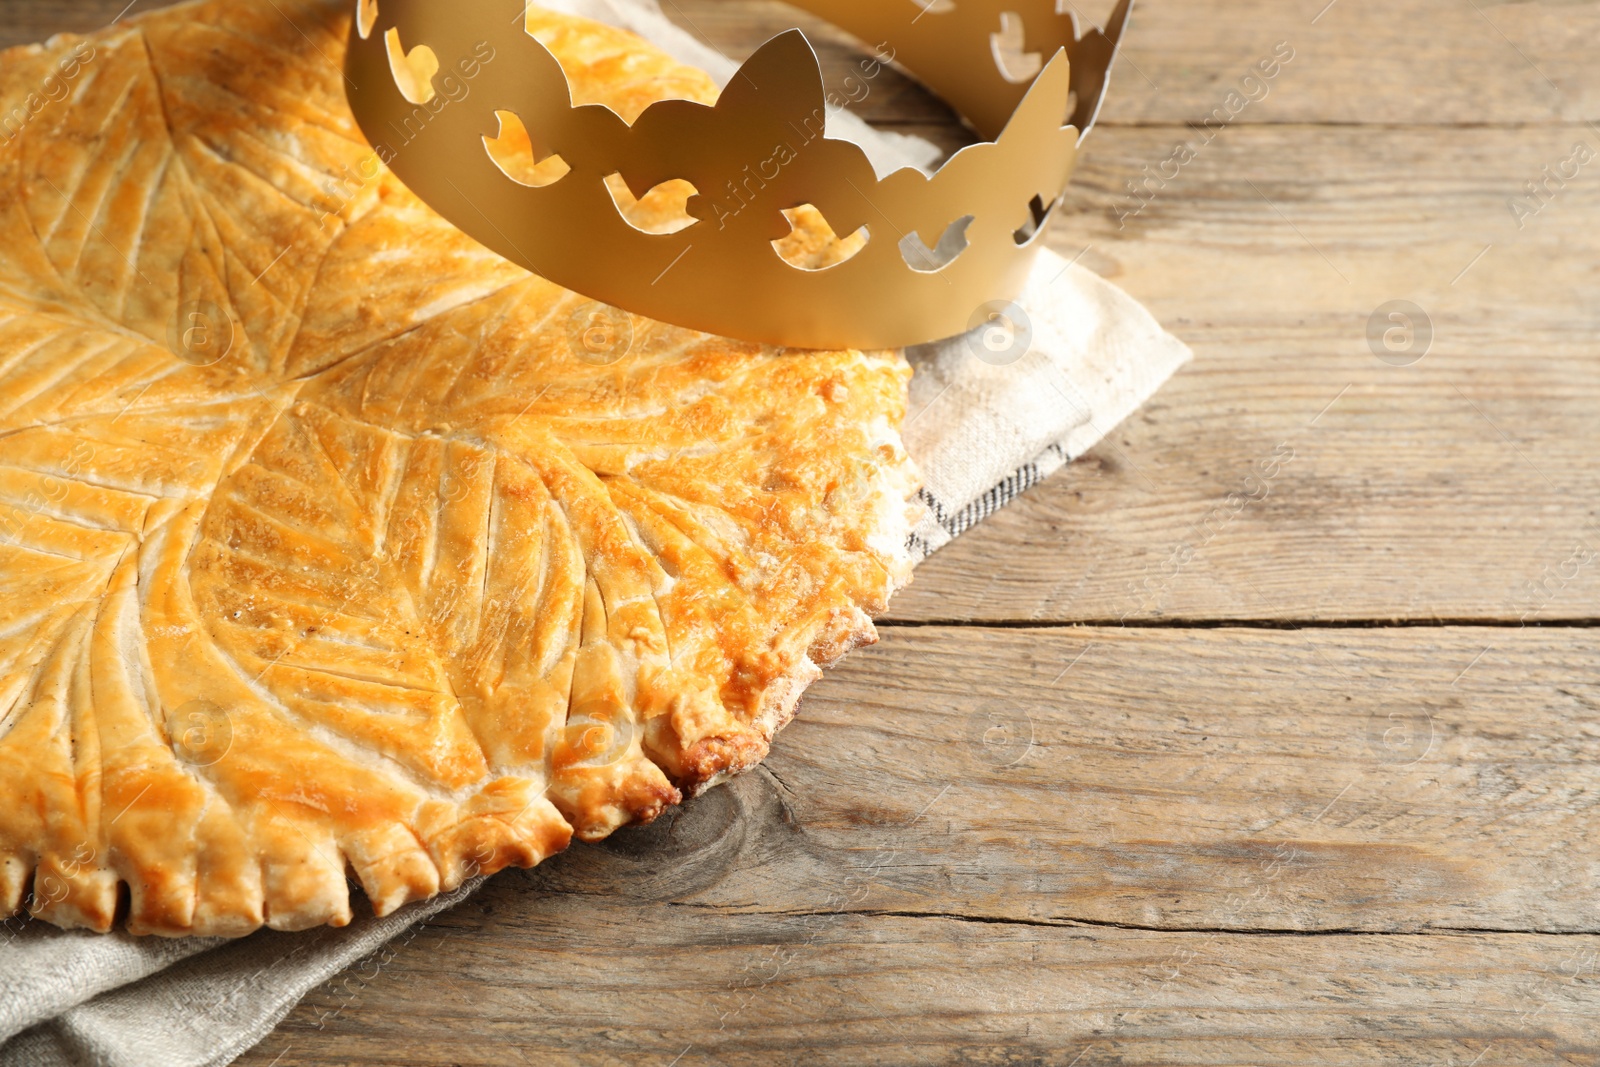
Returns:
<point x="335" y="548"/>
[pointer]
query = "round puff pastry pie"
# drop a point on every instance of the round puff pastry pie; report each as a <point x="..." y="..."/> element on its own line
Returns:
<point x="333" y="545"/>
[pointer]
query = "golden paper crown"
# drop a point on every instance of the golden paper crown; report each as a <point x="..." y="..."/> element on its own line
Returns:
<point x="924" y="253"/>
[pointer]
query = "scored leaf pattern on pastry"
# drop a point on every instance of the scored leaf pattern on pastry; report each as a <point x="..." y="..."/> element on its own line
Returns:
<point x="427" y="565"/>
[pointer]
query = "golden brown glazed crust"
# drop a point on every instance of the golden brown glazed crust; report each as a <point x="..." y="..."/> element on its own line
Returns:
<point x="408" y="583"/>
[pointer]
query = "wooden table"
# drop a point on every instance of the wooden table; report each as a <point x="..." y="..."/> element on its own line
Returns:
<point x="1175" y="760"/>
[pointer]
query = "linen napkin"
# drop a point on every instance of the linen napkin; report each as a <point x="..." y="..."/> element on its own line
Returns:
<point x="992" y="412"/>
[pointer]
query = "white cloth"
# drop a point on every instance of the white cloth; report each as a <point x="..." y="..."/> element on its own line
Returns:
<point x="993" y="412"/>
<point x="989" y="416"/>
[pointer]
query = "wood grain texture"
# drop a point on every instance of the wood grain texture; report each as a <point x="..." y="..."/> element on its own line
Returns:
<point x="1457" y="487"/>
<point x="588" y="981"/>
<point x="1193" y="846"/>
<point x="1246" y="818"/>
<point x="1378" y="780"/>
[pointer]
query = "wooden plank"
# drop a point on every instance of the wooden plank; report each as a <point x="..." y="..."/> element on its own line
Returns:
<point x="530" y="978"/>
<point x="1377" y="780"/>
<point x="1424" y="62"/>
<point x="1458" y="487"/>
<point x="1366" y="61"/>
<point x="1190" y="845"/>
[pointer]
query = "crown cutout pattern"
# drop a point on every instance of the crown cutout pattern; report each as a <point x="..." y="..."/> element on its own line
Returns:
<point x="785" y="236"/>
